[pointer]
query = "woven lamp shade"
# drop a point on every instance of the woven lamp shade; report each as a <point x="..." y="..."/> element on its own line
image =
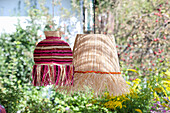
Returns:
<point x="53" y="61"/>
<point x="96" y="65"/>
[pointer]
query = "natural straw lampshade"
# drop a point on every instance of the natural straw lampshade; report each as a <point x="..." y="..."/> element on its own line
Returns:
<point x="96" y="65"/>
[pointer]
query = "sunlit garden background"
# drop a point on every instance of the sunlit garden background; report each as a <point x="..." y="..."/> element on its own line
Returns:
<point x="142" y="33"/>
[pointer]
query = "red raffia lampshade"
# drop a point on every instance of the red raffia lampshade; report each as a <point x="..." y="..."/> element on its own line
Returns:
<point x="53" y="61"/>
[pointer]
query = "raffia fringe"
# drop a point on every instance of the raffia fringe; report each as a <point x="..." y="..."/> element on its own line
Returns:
<point x="59" y="75"/>
<point x="114" y="84"/>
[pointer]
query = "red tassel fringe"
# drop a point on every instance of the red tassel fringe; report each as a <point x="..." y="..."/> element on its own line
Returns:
<point x="44" y="75"/>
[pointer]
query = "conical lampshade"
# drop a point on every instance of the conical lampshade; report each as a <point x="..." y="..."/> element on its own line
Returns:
<point x="96" y="65"/>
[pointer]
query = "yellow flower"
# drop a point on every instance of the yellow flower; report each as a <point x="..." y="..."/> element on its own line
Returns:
<point x="112" y="97"/>
<point x="167" y="73"/>
<point x="138" y="79"/>
<point x="159" y="90"/>
<point x="118" y="98"/>
<point x="138" y="110"/>
<point x="168" y="88"/>
<point x="164" y="105"/>
<point x="135" y="85"/>
<point x="110" y="104"/>
<point x="135" y="82"/>
<point x="156" y="79"/>
<point x="163" y="90"/>
<point x="124" y="106"/>
<point x="128" y="82"/>
<point x="119" y="104"/>
<point x="150" y="86"/>
<point x="133" y="70"/>
<point x="166" y="100"/>
<point x="123" y="96"/>
<point x="113" y="104"/>
<point x="106" y="93"/>
<point x="137" y="90"/>
<point x="139" y="87"/>
<point x="94" y="101"/>
<point x="156" y="96"/>
<point x="166" y="82"/>
<point x="132" y="91"/>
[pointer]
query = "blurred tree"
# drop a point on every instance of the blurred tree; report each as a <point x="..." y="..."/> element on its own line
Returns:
<point x="140" y="29"/>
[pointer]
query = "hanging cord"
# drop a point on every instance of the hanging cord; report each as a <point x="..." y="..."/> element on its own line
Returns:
<point x="53" y="15"/>
<point x="53" y="8"/>
<point x="94" y="3"/>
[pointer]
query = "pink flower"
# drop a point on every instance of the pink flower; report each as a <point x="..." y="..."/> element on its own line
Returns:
<point x="66" y="37"/>
<point x="158" y="14"/>
<point x="166" y="21"/>
<point x="130" y="79"/>
<point x="159" y="10"/>
<point x="50" y="26"/>
<point x="130" y="57"/>
<point x="155" y="39"/>
<point x="123" y="59"/>
<point x="155" y="52"/>
<point x="164" y="37"/>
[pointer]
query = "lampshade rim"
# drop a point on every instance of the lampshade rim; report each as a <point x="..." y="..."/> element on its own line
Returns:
<point x="53" y="33"/>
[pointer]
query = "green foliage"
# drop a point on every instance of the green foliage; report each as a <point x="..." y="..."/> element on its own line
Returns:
<point x="10" y="94"/>
<point x="17" y="49"/>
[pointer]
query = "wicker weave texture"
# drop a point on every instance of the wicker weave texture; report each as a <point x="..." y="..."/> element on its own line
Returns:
<point x="97" y="52"/>
<point x="53" y="33"/>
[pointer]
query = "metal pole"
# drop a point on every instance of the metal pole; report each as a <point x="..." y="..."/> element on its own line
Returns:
<point x="53" y="8"/>
<point x="94" y="2"/>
